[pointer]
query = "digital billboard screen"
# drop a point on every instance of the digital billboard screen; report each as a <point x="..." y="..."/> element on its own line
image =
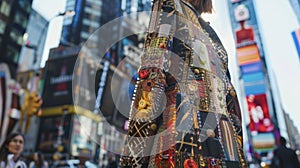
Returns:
<point x="260" y="120"/>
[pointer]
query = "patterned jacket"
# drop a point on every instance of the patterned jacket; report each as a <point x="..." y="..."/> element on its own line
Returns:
<point x="185" y="112"/>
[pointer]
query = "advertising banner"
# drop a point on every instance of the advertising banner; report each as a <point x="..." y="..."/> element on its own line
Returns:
<point x="251" y="68"/>
<point x="248" y="54"/>
<point x="296" y="37"/>
<point x="263" y="142"/>
<point x="260" y="120"/>
<point x="241" y="13"/>
<point x="58" y="82"/>
<point x="254" y="83"/>
<point x="244" y="35"/>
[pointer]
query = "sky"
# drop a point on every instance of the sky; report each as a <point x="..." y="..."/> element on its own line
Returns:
<point x="49" y="9"/>
<point x="283" y="61"/>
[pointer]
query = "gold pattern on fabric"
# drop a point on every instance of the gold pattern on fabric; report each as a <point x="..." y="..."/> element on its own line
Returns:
<point x="180" y="95"/>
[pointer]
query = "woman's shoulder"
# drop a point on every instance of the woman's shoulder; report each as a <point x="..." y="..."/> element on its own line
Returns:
<point x="21" y="164"/>
<point x="31" y="164"/>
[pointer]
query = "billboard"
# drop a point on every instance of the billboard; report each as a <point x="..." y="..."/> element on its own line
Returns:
<point x="254" y="83"/>
<point x="244" y="35"/>
<point x="251" y="68"/>
<point x="248" y="54"/>
<point x="263" y="142"/>
<point x="260" y="120"/>
<point x="241" y="13"/>
<point x="58" y="82"/>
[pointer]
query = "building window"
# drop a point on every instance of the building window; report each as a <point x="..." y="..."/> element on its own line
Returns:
<point x="20" y="19"/>
<point x="2" y="26"/>
<point x="12" y="54"/>
<point x="16" y="36"/>
<point x="25" y="4"/>
<point x="5" y="8"/>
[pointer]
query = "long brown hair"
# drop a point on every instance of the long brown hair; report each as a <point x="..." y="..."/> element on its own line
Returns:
<point x="202" y="6"/>
<point x="39" y="163"/>
<point x="4" y="150"/>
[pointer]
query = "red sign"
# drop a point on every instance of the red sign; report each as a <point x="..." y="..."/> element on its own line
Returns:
<point x="260" y="120"/>
<point x="244" y="35"/>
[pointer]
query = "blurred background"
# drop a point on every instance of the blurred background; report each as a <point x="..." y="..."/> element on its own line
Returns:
<point x="41" y="45"/>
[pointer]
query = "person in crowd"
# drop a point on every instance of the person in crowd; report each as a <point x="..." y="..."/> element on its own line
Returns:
<point x="185" y="111"/>
<point x="11" y="150"/>
<point x="284" y="157"/>
<point x="38" y="161"/>
<point x="112" y="162"/>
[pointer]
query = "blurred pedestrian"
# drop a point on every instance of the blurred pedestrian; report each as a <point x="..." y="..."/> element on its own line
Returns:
<point x="284" y="157"/>
<point x="11" y="150"/>
<point x="112" y="163"/>
<point x="38" y="161"/>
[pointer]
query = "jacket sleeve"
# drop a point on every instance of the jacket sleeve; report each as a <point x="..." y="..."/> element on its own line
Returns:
<point x="149" y="101"/>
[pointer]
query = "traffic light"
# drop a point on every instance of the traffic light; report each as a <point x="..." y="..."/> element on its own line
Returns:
<point x="34" y="104"/>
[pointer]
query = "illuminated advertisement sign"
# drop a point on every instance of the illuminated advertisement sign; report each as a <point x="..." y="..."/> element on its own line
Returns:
<point x="263" y="142"/>
<point x="244" y="35"/>
<point x="260" y="120"/>
<point x="296" y="37"/>
<point x="248" y="54"/>
<point x="254" y="83"/>
<point x="241" y="13"/>
<point x="251" y="68"/>
<point x="58" y="81"/>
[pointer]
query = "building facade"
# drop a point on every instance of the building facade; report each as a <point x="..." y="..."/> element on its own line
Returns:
<point x="262" y="127"/>
<point x="14" y="17"/>
<point x="35" y="37"/>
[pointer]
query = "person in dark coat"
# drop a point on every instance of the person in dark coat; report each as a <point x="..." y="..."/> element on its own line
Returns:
<point x="284" y="157"/>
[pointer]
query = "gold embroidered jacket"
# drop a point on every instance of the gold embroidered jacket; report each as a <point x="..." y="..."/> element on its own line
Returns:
<point x="185" y="112"/>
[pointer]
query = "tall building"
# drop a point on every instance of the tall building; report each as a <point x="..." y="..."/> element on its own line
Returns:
<point x="32" y="51"/>
<point x="85" y="21"/>
<point x="89" y="16"/>
<point x="130" y="6"/>
<point x="255" y="80"/>
<point x="296" y="33"/>
<point x="81" y="31"/>
<point x="67" y="128"/>
<point x="14" y="16"/>
<point x="293" y="132"/>
<point x="296" y="7"/>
